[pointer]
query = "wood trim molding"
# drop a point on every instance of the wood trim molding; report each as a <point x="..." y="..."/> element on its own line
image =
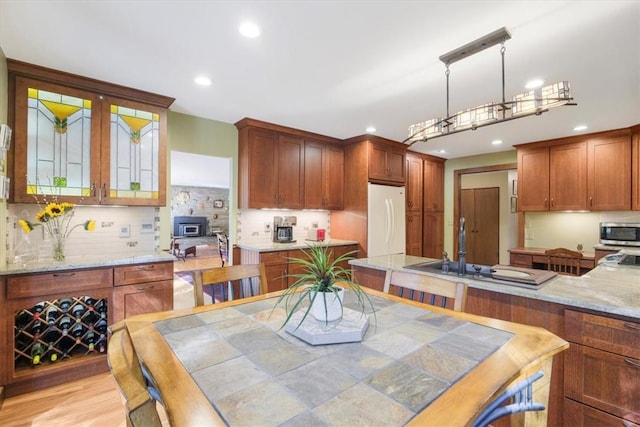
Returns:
<point x="100" y="87"/>
<point x="249" y="122"/>
<point x="577" y="138"/>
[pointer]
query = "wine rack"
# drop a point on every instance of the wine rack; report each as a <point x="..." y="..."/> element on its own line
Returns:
<point x="63" y="328"/>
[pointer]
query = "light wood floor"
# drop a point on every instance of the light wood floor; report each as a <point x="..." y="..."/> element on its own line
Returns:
<point x="90" y="402"/>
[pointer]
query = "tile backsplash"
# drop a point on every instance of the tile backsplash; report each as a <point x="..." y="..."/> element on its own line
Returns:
<point x="252" y="224"/>
<point x="119" y="230"/>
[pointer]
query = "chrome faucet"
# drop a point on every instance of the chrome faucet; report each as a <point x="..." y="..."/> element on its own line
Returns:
<point x="462" y="249"/>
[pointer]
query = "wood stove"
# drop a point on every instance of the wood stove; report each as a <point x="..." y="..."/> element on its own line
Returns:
<point x="189" y="226"/>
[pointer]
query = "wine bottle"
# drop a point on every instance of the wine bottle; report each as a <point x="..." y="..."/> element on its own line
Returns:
<point x="77" y="311"/>
<point x="22" y="319"/>
<point x="89" y="302"/>
<point x="101" y="326"/>
<point x="65" y="304"/>
<point x="51" y="338"/>
<point x="37" y="350"/>
<point x="37" y="309"/>
<point x="101" y="306"/>
<point x="90" y="340"/>
<point x="65" y="324"/>
<point x="65" y="345"/>
<point x="78" y="331"/>
<point x="52" y="314"/>
<point x="102" y="344"/>
<point x="53" y="353"/>
<point x="37" y="328"/>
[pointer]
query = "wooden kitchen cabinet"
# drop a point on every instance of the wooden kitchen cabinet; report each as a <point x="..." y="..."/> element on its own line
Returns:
<point x="590" y="172"/>
<point x="323" y="176"/>
<point x="386" y="163"/>
<point x="414" y="233"/>
<point x="414" y="185"/>
<point x="433" y="235"/>
<point x="25" y="322"/>
<point x="609" y="173"/>
<point x="433" y="185"/>
<point x="552" y="178"/>
<point x="94" y="142"/>
<point x="602" y="364"/>
<point x="142" y="288"/>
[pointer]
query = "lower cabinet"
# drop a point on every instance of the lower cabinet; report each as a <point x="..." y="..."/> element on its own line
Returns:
<point x="578" y="415"/>
<point x="141" y="289"/>
<point x="602" y="366"/>
<point x="54" y="326"/>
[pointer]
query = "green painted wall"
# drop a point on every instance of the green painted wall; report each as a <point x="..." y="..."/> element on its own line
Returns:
<point x="196" y="135"/>
<point x="4" y="104"/>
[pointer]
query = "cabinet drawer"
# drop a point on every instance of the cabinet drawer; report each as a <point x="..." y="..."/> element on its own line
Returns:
<point x="273" y="258"/>
<point x="579" y="415"/>
<point x="603" y="380"/>
<point x="141" y="299"/>
<point x="72" y="282"/>
<point x="521" y="260"/>
<point x="141" y="273"/>
<point x="617" y="336"/>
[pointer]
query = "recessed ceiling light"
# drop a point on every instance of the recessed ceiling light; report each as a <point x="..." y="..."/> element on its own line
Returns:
<point x="532" y="84"/>
<point x="370" y="129"/>
<point x="440" y="151"/>
<point x="496" y="142"/>
<point x="203" y="80"/>
<point x="249" y="30"/>
<point x="580" y="127"/>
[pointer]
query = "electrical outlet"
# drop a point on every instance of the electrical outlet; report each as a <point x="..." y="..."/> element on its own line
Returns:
<point x="267" y="227"/>
<point x="125" y="230"/>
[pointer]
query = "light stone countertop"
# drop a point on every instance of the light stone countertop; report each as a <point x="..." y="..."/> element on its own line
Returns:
<point x="85" y="261"/>
<point x="608" y="289"/>
<point x="299" y="244"/>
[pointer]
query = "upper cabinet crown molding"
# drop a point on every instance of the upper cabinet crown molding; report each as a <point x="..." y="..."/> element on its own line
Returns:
<point x="254" y="123"/>
<point x="99" y="87"/>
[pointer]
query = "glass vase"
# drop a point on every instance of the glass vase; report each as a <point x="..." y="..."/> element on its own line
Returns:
<point x="57" y="247"/>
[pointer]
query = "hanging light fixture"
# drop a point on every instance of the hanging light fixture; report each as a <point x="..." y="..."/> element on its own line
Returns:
<point x="533" y="102"/>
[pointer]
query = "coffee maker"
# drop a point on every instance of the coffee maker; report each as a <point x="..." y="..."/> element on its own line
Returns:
<point x="283" y="229"/>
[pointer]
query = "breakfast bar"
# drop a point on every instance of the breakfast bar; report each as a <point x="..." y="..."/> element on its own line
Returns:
<point x="233" y="364"/>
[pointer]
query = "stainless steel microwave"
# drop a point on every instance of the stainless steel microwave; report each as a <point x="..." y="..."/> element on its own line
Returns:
<point x="619" y="234"/>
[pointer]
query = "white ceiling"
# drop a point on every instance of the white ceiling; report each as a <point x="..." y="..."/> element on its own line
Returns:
<point x="196" y="170"/>
<point x="336" y="67"/>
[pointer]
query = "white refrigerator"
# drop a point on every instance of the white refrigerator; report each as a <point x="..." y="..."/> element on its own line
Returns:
<point x="385" y="220"/>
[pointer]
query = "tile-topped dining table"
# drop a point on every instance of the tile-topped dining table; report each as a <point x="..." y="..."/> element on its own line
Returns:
<point x="233" y="364"/>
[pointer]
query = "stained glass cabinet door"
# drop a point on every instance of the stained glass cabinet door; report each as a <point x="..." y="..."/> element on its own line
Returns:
<point x="133" y="161"/>
<point x="57" y="136"/>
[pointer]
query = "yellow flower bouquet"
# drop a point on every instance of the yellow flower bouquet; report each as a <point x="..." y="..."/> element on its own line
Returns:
<point x="56" y="219"/>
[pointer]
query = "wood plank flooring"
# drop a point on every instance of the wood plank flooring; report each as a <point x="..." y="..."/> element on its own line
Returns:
<point x="90" y="402"/>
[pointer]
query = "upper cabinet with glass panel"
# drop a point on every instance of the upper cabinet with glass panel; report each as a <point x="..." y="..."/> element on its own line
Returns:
<point x="85" y="141"/>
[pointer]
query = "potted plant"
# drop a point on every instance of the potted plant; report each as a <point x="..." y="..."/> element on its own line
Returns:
<point x="321" y="283"/>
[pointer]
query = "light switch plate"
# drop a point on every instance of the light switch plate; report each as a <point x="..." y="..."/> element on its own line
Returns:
<point x="146" y="227"/>
<point x="125" y="230"/>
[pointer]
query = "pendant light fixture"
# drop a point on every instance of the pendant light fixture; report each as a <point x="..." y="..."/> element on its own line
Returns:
<point x="533" y="102"/>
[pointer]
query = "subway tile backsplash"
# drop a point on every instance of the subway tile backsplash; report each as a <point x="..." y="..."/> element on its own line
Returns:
<point x="252" y="224"/>
<point x="119" y="230"/>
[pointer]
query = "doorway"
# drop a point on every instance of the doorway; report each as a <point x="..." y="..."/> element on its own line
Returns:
<point x="480" y="207"/>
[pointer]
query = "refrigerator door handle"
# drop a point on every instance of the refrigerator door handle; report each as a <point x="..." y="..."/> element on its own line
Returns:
<point x="387" y="229"/>
<point x="392" y="220"/>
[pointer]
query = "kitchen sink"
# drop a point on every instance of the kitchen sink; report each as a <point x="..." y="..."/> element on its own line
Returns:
<point x="497" y="274"/>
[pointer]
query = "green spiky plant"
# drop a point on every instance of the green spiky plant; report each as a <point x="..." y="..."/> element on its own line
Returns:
<point x="319" y="277"/>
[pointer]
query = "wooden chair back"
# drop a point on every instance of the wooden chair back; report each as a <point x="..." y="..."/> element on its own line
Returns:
<point x="426" y="289"/>
<point x="125" y="368"/>
<point x="239" y="281"/>
<point x="223" y="247"/>
<point x="563" y="261"/>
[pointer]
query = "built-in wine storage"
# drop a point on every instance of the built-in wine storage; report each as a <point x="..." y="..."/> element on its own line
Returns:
<point x="52" y="331"/>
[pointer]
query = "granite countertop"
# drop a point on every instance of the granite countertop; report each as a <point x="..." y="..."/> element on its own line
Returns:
<point x="299" y="244"/>
<point x="608" y="289"/>
<point x="85" y="261"/>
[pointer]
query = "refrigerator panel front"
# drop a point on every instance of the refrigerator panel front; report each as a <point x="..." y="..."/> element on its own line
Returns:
<point x="385" y="220"/>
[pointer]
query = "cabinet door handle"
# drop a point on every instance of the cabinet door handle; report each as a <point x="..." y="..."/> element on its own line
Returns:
<point x="93" y="189"/>
<point x="142" y="288"/>
<point x="64" y="274"/>
<point x="546" y="202"/>
<point x="632" y="363"/>
<point x="146" y="267"/>
<point x="590" y="201"/>
<point x="553" y="202"/>
<point x="104" y="190"/>
<point x="631" y="326"/>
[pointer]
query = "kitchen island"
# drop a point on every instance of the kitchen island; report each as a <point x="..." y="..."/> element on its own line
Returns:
<point x="598" y="313"/>
<point x="275" y="257"/>
<point x="54" y="315"/>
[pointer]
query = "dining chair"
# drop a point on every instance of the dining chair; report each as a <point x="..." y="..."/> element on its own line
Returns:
<point x="426" y="289"/>
<point x="563" y="261"/>
<point x="223" y="247"/>
<point x="141" y="396"/>
<point x="236" y="281"/>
